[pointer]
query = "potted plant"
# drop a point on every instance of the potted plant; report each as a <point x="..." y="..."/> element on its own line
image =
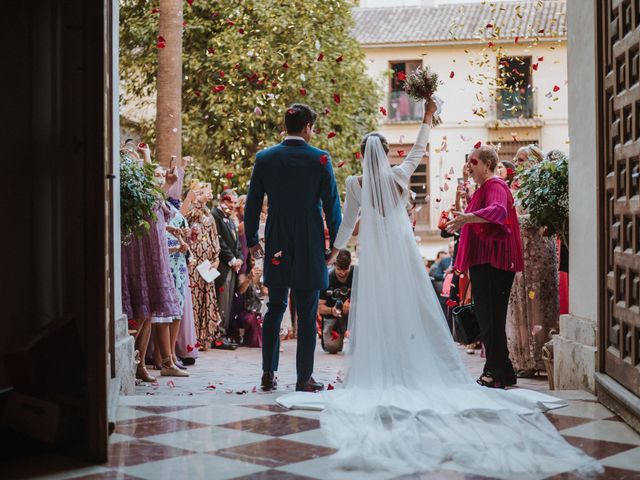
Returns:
<point x="544" y="194"/>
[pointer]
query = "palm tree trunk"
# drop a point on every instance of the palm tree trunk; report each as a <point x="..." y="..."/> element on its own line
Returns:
<point x="169" y="92"/>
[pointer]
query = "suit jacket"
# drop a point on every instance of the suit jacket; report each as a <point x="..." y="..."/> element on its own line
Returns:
<point x="230" y="247"/>
<point x="299" y="182"/>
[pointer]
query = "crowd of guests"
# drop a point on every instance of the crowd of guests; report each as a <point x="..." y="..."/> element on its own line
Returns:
<point x="512" y="273"/>
<point x="189" y="284"/>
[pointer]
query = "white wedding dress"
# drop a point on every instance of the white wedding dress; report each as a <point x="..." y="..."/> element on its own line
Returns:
<point x="408" y="404"/>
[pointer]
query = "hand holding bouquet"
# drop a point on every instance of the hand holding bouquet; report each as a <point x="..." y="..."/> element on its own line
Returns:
<point x="422" y="85"/>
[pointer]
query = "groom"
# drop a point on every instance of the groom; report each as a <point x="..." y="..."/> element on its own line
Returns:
<point x="299" y="183"/>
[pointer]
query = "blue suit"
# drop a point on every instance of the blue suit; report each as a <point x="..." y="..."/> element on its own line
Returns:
<point x="299" y="182"/>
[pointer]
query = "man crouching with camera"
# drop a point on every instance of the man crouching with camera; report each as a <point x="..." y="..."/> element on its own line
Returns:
<point x="335" y="303"/>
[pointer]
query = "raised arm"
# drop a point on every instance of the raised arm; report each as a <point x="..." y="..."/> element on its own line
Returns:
<point x="349" y="215"/>
<point x="412" y="160"/>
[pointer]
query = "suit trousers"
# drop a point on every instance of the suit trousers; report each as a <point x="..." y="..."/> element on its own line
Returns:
<point x="491" y="289"/>
<point x="225" y="303"/>
<point x="306" y="309"/>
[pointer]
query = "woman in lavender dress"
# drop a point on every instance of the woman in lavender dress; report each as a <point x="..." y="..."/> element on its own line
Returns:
<point x="148" y="289"/>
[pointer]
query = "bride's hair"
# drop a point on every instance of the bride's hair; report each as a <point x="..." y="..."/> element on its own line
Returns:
<point x="383" y="140"/>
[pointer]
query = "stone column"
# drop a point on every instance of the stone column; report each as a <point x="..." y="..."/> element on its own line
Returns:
<point x="123" y="342"/>
<point x="575" y="346"/>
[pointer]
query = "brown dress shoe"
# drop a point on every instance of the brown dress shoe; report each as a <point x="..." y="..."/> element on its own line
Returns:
<point x="309" y="386"/>
<point x="268" y="382"/>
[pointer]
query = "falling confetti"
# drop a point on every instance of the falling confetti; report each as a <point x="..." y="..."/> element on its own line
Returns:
<point x="532" y="294"/>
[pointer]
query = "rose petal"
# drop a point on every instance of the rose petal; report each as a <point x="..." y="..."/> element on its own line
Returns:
<point x="320" y="57"/>
<point x="285" y="65"/>
<point x="339" y="59"/>
<point x="324" y="159"/>
<point x="218" y="88"/>
<point x="452" y="74"/>
<point x="330" y="387"/>
<point x="477" y="144"/>
<point x="401" y="76"/>
<point x="336" y="98"/>
<point x="383" y="111"/>
<point x="535" y="66"/>
<point x="331" y="134"/>
<point x="275" y="261"/>
<point x="556" y="88"/>
<point x="303" y="92"/>
<point x="401" y="153"/>
<point x="341" y="164"/>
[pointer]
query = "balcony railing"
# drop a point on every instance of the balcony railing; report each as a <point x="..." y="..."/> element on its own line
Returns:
<point x="403" y="108"/>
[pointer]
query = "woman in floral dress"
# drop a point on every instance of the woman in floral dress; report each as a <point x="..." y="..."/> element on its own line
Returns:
<point x="205" y="247"/>
<point x="177" y="229"/>
<point x="533" y="304"/>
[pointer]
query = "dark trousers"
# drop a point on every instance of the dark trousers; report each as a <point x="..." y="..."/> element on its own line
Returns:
<point x="491" y="289"/>
<point x="306" y="310"/>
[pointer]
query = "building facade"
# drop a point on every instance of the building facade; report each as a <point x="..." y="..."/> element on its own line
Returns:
<point x="469" y="46"/>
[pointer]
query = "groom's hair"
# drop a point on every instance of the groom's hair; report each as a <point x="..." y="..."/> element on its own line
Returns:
<point x="298" y="116"/>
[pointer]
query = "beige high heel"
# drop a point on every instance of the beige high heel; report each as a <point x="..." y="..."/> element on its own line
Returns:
<point x="143" y="374"/>
<point x="169" y="369"/>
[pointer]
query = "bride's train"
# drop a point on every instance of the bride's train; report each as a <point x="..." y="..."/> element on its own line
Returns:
<point x="408" y="403"/>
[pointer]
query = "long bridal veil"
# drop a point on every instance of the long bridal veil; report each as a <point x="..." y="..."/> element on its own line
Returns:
<point x="408" y="403"/>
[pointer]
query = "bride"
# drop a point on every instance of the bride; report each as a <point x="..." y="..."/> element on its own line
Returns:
<point x="408" y="403"/>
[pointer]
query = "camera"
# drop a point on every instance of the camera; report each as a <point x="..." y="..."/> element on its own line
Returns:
<point x="339" y="296"/>
<point x="333" y="329"/>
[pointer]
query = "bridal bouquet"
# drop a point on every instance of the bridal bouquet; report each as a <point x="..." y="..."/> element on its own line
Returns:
<point x="422" y="85"/>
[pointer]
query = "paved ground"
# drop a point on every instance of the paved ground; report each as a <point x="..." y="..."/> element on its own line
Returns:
<point x="187" y="429"/>
<point x="240" y="370"/>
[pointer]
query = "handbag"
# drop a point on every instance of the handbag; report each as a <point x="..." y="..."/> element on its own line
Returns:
<point x="465" y="324"/>
<point x="466" y="328"/>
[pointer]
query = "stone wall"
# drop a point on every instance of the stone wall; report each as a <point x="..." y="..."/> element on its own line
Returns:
<point x="575" y="347"/>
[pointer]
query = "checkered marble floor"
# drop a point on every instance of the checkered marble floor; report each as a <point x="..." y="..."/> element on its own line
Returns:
<point x="224" y="433"/>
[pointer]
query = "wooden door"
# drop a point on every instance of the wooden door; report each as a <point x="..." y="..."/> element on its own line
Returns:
<point x="619" y="195"/>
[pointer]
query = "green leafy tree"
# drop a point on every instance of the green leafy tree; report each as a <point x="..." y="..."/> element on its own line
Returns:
<point x="544" y="194"/>
<point x="244" y="62"/>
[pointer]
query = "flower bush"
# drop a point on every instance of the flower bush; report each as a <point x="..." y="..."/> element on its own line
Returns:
<point x="544" y="195"/>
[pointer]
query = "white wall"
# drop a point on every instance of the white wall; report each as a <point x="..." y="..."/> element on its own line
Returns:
<point x="582" y="166"/>
<point x="395" y="3"/>
<point x="461" y="127"/>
